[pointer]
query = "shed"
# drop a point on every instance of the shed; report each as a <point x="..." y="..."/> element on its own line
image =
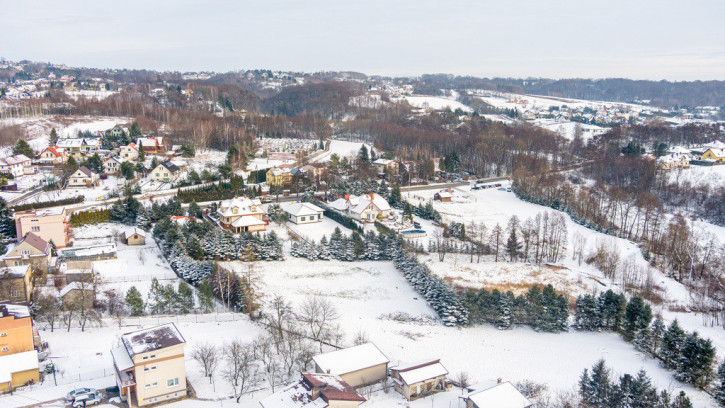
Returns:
<point x="419" y="379"/>
<point x="358" y="366"/>
<point x="134" y="236"/>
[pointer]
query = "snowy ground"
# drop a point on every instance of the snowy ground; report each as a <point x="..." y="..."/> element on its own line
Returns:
<point x="485" y="352"/>
<point x="567" y="129"/>
<point x="86" y="93"/>
<point x="341" y="148"/>
<point x="433" y="102"/>
<point x="95" y="193"/>
<point x="714" y="176"/>
<point x="315" y="231"/>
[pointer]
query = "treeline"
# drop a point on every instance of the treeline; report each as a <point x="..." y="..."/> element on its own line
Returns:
<point x="689" y="355"/>
<point x="600" y="389"/>
<point x="544" y="310"/>
<point x="222" y="190"/>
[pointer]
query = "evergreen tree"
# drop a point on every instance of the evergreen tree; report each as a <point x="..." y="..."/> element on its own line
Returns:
<point x="141" y="153"/>
<point x="513" y="246"/>
<point x="7" y="223"/>
<point x="195" y="210"/>
<point x="612" y="307"/>
<point x="134" y="302"/>
<point x="587" y="313"/>
<point x="657" y="331"/>
<point x="363" y="154"/>
<point x="193" y="248"/>
<point x="505" y="310"/>
<point x="53" y="138"/>
<point x="155" y="300"/>
<point x="22" y="147"/>
<point x="205" y="296"/>
<point x="638" y="316"/>
<point x="169" y="299"/>
<point x="720" y="385"/>
<point x="671" y="344"/>
<point x="696" y="359"/>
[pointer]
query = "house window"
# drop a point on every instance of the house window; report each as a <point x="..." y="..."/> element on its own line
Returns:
<point x="25" y="252"/>
<point x="14" y="292"/>
<point x="5" y="348"/>
<point x="35" y="228"/>
<point x="172" y="382"/>
<point x="18" y="263"/>
<point x="3" y="334"/>
<point x="153" y="355"/>
<point x="302" y="218"/>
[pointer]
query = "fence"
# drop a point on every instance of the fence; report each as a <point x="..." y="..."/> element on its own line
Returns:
<point x="63" y="379"/>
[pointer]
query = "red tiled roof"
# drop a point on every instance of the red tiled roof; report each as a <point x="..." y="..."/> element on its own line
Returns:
<point x="332" y="387"/>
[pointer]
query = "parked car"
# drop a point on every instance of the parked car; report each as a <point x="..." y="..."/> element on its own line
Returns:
<point x="86" y="400"/>
<point x="77" y="392"/>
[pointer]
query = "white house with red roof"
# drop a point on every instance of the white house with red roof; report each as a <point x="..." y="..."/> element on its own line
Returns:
<point x="53" y="155"/>
<point x="129" y="152"/>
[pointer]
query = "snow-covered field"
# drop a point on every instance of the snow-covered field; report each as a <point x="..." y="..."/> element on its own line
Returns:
<point x="86" y="93"/>
<point x="342" y="149"/>
<point x="713" y="176"/>
<point x="315" y="231"/>
<point x="433" y="102"/>
<point x="95" y="193"/>
<point x="568" y="129"/>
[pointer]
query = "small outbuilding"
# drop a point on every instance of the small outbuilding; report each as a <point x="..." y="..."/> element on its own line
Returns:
<point x="443" y="196"/>
<point x="134" y="236"/>
<point x="420" y="379"/>
<point x="303" y="213"/>
<point x="501" y="395"/>
<point x="358" y="366"/>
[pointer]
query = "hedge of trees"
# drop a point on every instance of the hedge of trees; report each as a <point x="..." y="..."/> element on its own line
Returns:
<point x="46" y="204"/>
<point x="89" y="217"/>
<point x="339" y="217"/>
<point x="223" y="190"/>
<point x="544" y="310"/>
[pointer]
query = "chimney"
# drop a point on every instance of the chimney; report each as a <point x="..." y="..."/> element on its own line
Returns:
<point x="498" y="380"/>
<point x="148" y="339"/>
<point x="328" y="371"/>
<point x="347" y="197"/>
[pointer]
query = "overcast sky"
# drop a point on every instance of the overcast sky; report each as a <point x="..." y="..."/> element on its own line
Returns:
<point x="641" y="39"/>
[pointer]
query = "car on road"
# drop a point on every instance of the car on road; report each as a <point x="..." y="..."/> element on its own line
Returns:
<point x="86" y="400"/>
<point x="78" y="392"/>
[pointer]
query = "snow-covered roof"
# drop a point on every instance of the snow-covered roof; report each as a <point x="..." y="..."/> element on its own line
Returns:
<point x="247" y="221"/>
<point x="14" y="160"/>
<point x="243" y="205"/>
<point x="15" y="363"/>
<point x="502" y="395"/>
<point x="444" y="194"/>
<point x="155" y="338"/>
<point x="70" y="143"/>
<point x="718" y="152"/>
<point x="56" y="150"/>
<point x="121" y="358"/>
<point x="150" y="141"/>
<point x="383" y="162"/>
<point x="714" y="145"/>
<point x="277" y="171"/>
<point x="350" y="359"/>
<point x="14" y="271"/>
<point x="293" y="396"/>
<point x="17" y="311"/>
<point x="134" y="230"/>
<point x="92" y="141"/>
<point x="94" y="250"/>
<point x="69" y="287"/>
<point x="332" y="387"/>
<point x="340" y="204"/>
<point x="364" y="201"/>
<point x="421" y="371"/>
<point x="678" y="150"/>
<point x="299" y="209"/>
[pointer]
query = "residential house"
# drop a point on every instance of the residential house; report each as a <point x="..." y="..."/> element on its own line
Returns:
<point x="53" y="155"/>
<point x="111" y="165"/>
<point x="242" y="214"/>
<point x="115" y="132"/>
<point x="134" y="236"/>
<point x="315" y="390"/>
<point x="16" y="284"/>
<point x="92" y="145"/>
<point x="152" y="145"/>
<point x="77" y="292"/>
<point x="358" y="366"/>
<point x="303" y="213"/>
<point x="386" y="166"/>
<point x="149" y="365"/>
<point x="75" y="147"/>
<point x="165" y="172"/>
<point x="712" y="153"/>
<point x="420" y="379"/>
<point x="279" y="176"/>
<point x="83" y="177"/>
<point x="443" y="196"/>
<point x="31" y="250"/>
<point x="673" y="161"/>
<point x="17" y="165"/>
<point x="314" y="171"/>
<point x="18" y="340"/>
<point x="52" y="224"/>
<point x="129" y="152"/>
<point x="364" y="208"/>
<point x="501" y="395"/>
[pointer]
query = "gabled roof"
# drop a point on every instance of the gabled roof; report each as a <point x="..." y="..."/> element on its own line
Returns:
<point x="300" y="209"/>
<point x="421" y="371"/>
<point x="15" y="363"/>
<point x="14" y="271"/>
<point x="243" y="205"/>
<point x="502" y="395"/>
<point x="350" y="359"/>
<point x="70" y="143"/>
<point x="85" y="170"/>
<point x="36" y="242"/>
<point x="131" y="145"/>
<point x="332" y="387"/>
<point x="56" y="150"/>
<point x="170" y="166"/>
<point x="13" y="160"/>
<point x="129" y="232"/>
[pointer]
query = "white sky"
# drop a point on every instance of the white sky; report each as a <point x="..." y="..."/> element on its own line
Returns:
<point x="641" y="39"/>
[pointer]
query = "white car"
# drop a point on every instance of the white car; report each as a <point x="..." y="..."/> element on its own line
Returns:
<point x="77" y="392"/>
<point x="86" y="400"/>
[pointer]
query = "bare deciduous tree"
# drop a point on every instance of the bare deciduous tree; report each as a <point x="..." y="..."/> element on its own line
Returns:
<point x="207" y="355"/>
<point x="241" y="367"/>
<point x="318" y="315"/>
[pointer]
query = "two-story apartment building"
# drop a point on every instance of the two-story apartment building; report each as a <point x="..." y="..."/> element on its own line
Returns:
<point x="149" y="365"/>
<point x="18" y="339"/>
<point x="31" y="250"/>
<point x="52" y="224"/>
